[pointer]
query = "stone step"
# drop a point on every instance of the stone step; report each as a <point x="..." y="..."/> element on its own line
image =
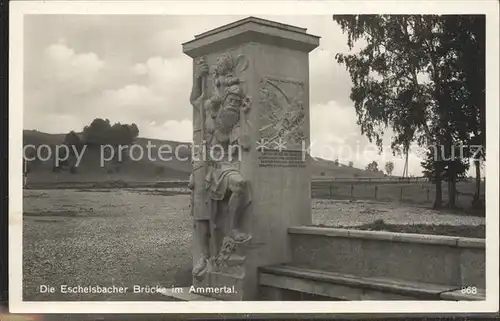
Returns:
<point x="278" y="281"/>
<point x="414" y="257"/>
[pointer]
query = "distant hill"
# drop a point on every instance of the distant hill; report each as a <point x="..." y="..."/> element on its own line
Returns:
<point x="37" y="138"/>
<point x="145" y="170"/>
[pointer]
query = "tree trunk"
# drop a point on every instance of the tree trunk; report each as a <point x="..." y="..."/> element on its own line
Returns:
<point x="452" y="192"/>
<point x="439" y="192"/>
<point x="452" y="184"/>
<point x="438" y="200"/>
<point x="477" y="193"/>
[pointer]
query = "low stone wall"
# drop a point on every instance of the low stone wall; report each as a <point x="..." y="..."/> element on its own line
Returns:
<point x="434" y="259"/>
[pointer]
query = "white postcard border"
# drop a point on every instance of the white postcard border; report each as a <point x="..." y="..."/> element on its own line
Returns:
<point x="20" y="8"/>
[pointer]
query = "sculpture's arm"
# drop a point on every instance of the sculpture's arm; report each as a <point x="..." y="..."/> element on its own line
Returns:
<point x="200" y="72"/>
<point x="241" y="134"/>
<point x="244" y="139"/>
<point x="196" y="90"/>
<point x="245" y="142"/>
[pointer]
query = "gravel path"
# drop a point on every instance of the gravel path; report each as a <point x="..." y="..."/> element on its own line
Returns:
<point x="115" y="237"/>
<point x="142" y="237"/>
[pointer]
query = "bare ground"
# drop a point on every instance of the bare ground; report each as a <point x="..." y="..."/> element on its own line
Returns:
<point x="102" y="238"/>
<point x="143" y="236"/>
<point x="352" y="213"/>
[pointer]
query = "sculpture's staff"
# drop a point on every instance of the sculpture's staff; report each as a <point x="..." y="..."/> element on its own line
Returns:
<point x="200" y="199"/>
<point x="206" y="138"/>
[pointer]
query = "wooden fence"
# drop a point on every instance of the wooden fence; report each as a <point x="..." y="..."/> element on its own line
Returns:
<point x="411" y="193"/>
<point x="399" y="180"/>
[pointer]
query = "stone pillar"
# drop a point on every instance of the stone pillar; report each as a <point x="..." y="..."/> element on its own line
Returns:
<point x="272" y="63"/>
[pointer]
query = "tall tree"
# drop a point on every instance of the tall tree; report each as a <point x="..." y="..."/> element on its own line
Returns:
<point x="134" y="130"/>
<point x="389" y="167"/>
<point x="372" y="167"/>
<point x="464" y="35"/>
<point x="467" y="33"/>
<point x="451" y="167"/>
<point x="98" y="132"/>
<point x="73" y="140"/>
<point x="405" y="79"/>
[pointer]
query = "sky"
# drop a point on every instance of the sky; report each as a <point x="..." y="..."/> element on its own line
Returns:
<point x="131" y="69"/>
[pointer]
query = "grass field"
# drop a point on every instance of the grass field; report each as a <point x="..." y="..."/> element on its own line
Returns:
<point x="128" y="237"/>
<point x="474" y="231"/>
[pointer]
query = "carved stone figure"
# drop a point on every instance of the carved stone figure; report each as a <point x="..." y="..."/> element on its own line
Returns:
<point x="218" y="121"/>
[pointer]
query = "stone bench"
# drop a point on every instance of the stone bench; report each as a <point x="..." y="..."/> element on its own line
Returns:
<point x="449" y="261"/>
<point x="289" y="283"/>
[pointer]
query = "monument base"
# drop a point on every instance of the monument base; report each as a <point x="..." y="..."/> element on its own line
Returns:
<point x="221" y="286"/>
<point x="224" y="276"/>
<point x="224" y="280"/>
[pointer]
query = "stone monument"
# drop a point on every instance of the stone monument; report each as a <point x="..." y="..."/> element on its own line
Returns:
<point x="251" y="176"/>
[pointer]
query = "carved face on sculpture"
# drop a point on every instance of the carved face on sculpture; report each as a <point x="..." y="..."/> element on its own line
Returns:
<point x="225" y="65"/>
<point x="229" y="113"/>
<point x="233" y="101"/>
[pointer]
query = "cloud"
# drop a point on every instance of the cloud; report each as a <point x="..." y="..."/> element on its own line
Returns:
<point x="162" y="95"/>
<point x="65" y="122"/>
<point x="157" y="100"/>
<point x="163" y="40"/>
<point x="74" y="72"/>
<point x="59" y="82"/>
<point x="131" y="98"/>
<point x="167" y="74"/>
<point x="335" y="134"/>
<point x="168" y="41"/>
<point x="140" y="69"/>
<point x="61" y="74"/>
<point x="328" y="79"/>
<point x="171" y="130"/>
